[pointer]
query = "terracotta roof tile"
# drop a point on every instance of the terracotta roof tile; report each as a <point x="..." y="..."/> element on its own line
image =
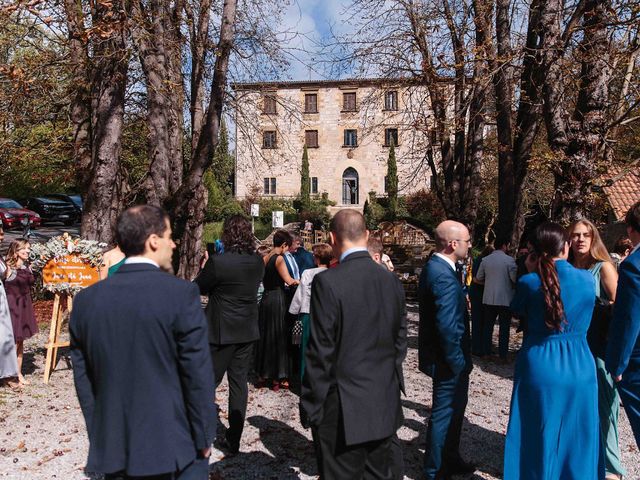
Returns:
<point x="625" y="189"/>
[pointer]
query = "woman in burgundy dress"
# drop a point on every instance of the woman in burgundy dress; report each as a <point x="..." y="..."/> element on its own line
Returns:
<point x="18" y="287"/>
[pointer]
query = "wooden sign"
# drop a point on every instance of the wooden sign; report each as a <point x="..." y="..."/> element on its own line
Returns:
<point x="70" y="269"/>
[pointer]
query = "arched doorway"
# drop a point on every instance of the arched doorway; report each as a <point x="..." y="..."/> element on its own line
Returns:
<point x="350" y="187"/>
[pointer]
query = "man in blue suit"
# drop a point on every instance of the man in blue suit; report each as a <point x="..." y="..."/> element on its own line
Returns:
<point x="623" y="350"/>
<point x="444" y="350"/>
<point x="141" y="361"/>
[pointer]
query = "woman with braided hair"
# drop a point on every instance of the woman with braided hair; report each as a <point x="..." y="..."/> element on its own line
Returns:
<point x="553" y="428"/>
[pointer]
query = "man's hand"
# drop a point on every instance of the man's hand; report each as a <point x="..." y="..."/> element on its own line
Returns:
<point x="618" y="378"/>
<point x="205" y="452"/>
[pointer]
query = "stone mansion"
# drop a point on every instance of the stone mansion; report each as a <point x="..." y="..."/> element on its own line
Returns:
<point x="347" y="126"/>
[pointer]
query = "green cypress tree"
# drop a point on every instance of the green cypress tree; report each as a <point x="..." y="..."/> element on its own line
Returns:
<point x="305" y="181"/>
<point x="392" y="181"/>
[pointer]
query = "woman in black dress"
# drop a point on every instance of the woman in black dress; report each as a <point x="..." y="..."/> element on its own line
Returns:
<point x="272" y="360"/>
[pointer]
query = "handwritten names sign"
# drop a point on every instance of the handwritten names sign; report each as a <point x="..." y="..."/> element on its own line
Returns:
<point x="70" y="269"/>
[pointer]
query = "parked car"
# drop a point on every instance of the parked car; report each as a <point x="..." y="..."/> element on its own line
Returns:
<point x="53" y="209"/>
<point x="72" y="198"/>
<point x="12" y="214"/>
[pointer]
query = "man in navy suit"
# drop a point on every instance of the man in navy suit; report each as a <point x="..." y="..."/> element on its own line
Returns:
<point x="444" y="350"/>
<point x="623" y="350"/>
<point x="141" y="361"/>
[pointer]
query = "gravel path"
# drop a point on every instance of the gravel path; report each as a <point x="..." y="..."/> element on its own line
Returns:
<point x="42" y="432"/>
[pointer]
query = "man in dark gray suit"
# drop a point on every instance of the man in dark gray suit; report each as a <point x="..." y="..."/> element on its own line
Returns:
<point x="353" y="374"/>
<point x="141" y="361"/>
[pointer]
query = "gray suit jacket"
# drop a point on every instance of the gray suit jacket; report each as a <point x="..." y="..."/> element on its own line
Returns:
<point x="498" y="272"/>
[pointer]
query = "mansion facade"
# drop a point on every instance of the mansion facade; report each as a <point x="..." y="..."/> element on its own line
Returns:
<point x="347" y="126"/>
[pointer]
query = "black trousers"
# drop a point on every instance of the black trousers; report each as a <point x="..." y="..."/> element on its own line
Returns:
<point x="196" y="470"/>
<point x="490" y="312"/>
<point x="337" y="461"/>
<point x="235" y="361"/>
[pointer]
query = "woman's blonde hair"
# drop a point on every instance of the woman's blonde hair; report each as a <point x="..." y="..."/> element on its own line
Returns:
<point x="597" y="251"/>
<point x="12" y="252"/>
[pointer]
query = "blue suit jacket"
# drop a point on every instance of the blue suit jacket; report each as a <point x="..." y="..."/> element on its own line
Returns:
<point x="623" y="350"/>
<point x="142" y="370"/>
<point x="443" y="338"/>
<point x="304" y="259"/>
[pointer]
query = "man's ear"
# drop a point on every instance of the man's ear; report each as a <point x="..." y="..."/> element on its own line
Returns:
<point x="333" y="238"/>
<point x="367" y="233"/>
<point x="152" y="243"/>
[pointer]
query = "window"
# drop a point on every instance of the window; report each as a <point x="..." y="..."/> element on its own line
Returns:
<point x="269" y="105"/>
<point x="349" y="102"/>
<point x="314" y="184"/>
<point x="311" y="103"/>
<point x="350" y="138"/>
<point x="390" y="135"/>
<point x="311" y="138"/>
<point x="269" y="139"/>
<point x="270" y="186"/>
<point x="391" y="100"/>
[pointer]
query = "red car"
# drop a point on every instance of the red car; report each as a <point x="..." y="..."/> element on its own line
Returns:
<point x="12" y="214"/>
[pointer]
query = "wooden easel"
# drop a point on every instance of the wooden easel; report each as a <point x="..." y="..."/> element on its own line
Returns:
<point x="62" y="303"/>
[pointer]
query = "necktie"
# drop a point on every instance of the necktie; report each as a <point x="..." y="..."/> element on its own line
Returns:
<point x="294" y="266"/>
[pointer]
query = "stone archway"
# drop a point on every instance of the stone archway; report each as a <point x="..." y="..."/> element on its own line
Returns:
<point x="350" y="187"/>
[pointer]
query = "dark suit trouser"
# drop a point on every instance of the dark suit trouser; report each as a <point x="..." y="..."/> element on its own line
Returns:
<point x="629" y="390"/>
<point x="196" y="470"/>
<point x="234" y="360"/>
<point x="490" y="312"/>
<point x="450" y="395"/>
<point x="338" y="461"/>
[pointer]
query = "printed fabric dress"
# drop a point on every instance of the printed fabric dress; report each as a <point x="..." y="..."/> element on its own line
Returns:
<point x="8" y="358"/>
<point x="18" y="288"/>
<point x="553" y="428"/>
<point x="271" y="351"/>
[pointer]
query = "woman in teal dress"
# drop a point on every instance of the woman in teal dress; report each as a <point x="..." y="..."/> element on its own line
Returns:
<point x="588" y="252"/>
<point x="553" y="428"/>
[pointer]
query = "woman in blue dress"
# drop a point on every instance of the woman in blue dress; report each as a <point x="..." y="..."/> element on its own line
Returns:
<point x="553" y="428"/>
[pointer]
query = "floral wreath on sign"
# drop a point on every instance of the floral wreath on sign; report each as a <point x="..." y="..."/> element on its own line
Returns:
<point x="57" y="247"/>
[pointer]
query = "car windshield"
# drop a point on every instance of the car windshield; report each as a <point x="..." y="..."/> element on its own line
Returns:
<point x="9" y="204"/>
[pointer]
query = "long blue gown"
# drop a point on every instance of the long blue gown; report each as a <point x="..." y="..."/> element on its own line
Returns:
<point x="553" y="428"/>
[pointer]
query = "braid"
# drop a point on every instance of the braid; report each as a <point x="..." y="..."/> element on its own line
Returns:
<point x="554" y="311"/>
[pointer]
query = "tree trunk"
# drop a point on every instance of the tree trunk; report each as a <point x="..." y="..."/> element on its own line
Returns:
<point x="79" y="110"/>
<point x="584" y="141"/>
<point x="186" y="205"/>
<point x="470" y="174"/>
<point x="514" y="148"/>
<point x="109" y="78"/>
<point x="156" y="35"/>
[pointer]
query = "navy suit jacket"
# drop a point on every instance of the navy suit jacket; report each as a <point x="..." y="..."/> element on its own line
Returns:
<point x="304" y="259"/>
<point x="623" y="350"/>
<point x="142" y="371"/>
<point x="443" y="337"/>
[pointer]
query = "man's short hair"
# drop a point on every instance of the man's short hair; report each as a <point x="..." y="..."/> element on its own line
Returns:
<point x="349" y="225"/>
<point x="281" y="237"/>
<point x="632" y="219"/>
<point x="374" y="245"/>
<point x="138" y="223"/>
<point x="323" y="252"/>
<point x="501" y="241"/>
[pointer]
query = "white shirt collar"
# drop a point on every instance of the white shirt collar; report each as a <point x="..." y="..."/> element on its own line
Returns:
<point x="447" y="259"/>
<point x="131" y="260"/>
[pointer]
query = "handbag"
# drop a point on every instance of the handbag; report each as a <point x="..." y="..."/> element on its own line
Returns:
<point x="296" y="332"/>
<point x="598" y="332"/>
